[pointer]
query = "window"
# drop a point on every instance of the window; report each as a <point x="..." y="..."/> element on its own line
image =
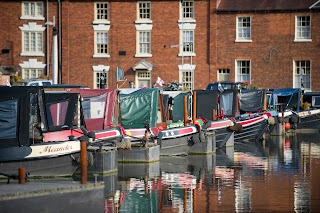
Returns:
<point x="188" y="9"/>
<point x="32" y="40"/>
<point x="32" y="69"/>
<point x="101" y="14"/>
<point x="187" y="40"/>
<point x="100" y="76"/>
<point x="243" y="29"/>
<point x="144" y="10"/>
<point x="223" y="75"/>
<point x="144" y="42"/>
<point x="187" y="79"/>
<point x="302" y="75"/>
<point x="32" y="10"/>
<point x="243" y="71"/>
<point x="101" y="41"/>
<point x="303" y="28"/>
<point x="143" y="79"/>
<point x="143" y="48"/>
<point x="101" y="80"/>
<point x="31" y="73"/>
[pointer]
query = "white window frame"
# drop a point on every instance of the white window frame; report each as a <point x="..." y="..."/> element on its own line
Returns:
<point x="242" y="77"/>
<point x="223" y="74"/>
<point x="140" y="78"/>
<point x="187" y="10"/>
<point x="101" y="12"/>
<point x="32" y="64"/>
<point x="29" y="30"/>
<point x="143" y="28"/>
<point x="302" y="27"/>
<point x="32" y="10"/>
<point x="140" y="19"/>
<point x="97" y="72"/>
<point x="187" y="44"/>
<point x="302" y="70"/>
<point x="187" y="68"/>
<point x="241" y="29"/>
<point x="105" y="30"/>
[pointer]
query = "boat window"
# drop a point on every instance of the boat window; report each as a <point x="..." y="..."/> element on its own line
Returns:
<point x="227" y="103"/>
<point x="57" y="113"/>
<point x="94" y="107"/>
<point x="8" y="121"/>
<point x="315" y="101"/>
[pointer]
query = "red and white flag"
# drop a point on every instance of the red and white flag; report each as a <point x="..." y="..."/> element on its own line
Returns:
<point x="8" y="83"/>
<point x="160" y="81"/>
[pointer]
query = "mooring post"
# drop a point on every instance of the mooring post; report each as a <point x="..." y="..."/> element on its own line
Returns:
<point x="185" y="111"/>
<point x="84" y="162"/>
<point x="194" y="107"/>
<point x="214" y="114"/>
<point x="22" y="175"/>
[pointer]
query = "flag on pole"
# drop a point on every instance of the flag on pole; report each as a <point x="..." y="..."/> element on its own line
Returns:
<point x="8" y="83"/>
<point x="160" y="81"/>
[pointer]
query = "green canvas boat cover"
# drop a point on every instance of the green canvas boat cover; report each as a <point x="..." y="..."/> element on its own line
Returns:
<point x="139" y="107"/>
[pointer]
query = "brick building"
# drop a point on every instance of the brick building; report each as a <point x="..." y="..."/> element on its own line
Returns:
<point x="269" y="44"/>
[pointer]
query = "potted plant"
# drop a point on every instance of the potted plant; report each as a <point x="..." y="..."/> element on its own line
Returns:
<point x="305" y="106"/>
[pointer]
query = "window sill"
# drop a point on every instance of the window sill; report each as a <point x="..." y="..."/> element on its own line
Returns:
<point x="187" y="54"/>
<point x="32" y="18"/>
<point x="101" y="22"/>
<point x="186" y="21"/>
<point x="302" y="40"/>
<point x="143" y="21"/>
<point x="101" y="56"/>
<point x="143" y="55"/>
<point x="32" y="54"/>
<point x="243" y="41"/>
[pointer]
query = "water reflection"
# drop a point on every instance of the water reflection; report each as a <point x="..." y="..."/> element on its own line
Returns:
<point x="280" y="174"/>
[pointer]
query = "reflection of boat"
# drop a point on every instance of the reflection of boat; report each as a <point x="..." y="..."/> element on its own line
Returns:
<point x="39" y="131"/>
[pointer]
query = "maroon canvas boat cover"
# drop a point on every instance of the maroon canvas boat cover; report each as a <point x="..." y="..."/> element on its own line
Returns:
<point x="93" y="99"/>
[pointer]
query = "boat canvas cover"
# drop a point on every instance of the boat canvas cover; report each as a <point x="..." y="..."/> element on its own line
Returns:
<point x="288" y="96"/>
<point x="139" y="107"/>
<point x="251" y="100"/>
<point x="19" y="113"/>
<point x="100" y="107"/>
<point x="206" y="102"/>
<point x="178" y="104"/>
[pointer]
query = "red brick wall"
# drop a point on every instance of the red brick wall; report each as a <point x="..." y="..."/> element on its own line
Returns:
<point x="78" y="41"/>
<point x="269" y="31"/>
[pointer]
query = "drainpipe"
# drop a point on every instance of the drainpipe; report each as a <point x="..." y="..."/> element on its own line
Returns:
<point x="48" y="56"/>
<point x="60" y="36"/>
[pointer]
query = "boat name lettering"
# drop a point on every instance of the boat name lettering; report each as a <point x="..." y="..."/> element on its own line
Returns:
<point x="56" y="149"/>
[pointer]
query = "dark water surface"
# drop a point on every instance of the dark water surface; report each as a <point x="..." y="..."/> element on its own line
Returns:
<point x="280" y="174"/>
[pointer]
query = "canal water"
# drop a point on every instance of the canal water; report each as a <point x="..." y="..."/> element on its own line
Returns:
<point x="279" y="174"/>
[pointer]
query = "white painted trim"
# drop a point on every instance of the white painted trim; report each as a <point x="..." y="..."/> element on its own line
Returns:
<point x="187" y="26"/>
<point x="32" y="26"/>
<point x="143" y="27"/>
<point x="101" y="27"/>
<point x="186" y="67"/>
<point x="32" y="63"/>
<point x="100" y="68"/>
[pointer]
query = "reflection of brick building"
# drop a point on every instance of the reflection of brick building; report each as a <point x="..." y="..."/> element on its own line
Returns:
<point x="270" y="44"/>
